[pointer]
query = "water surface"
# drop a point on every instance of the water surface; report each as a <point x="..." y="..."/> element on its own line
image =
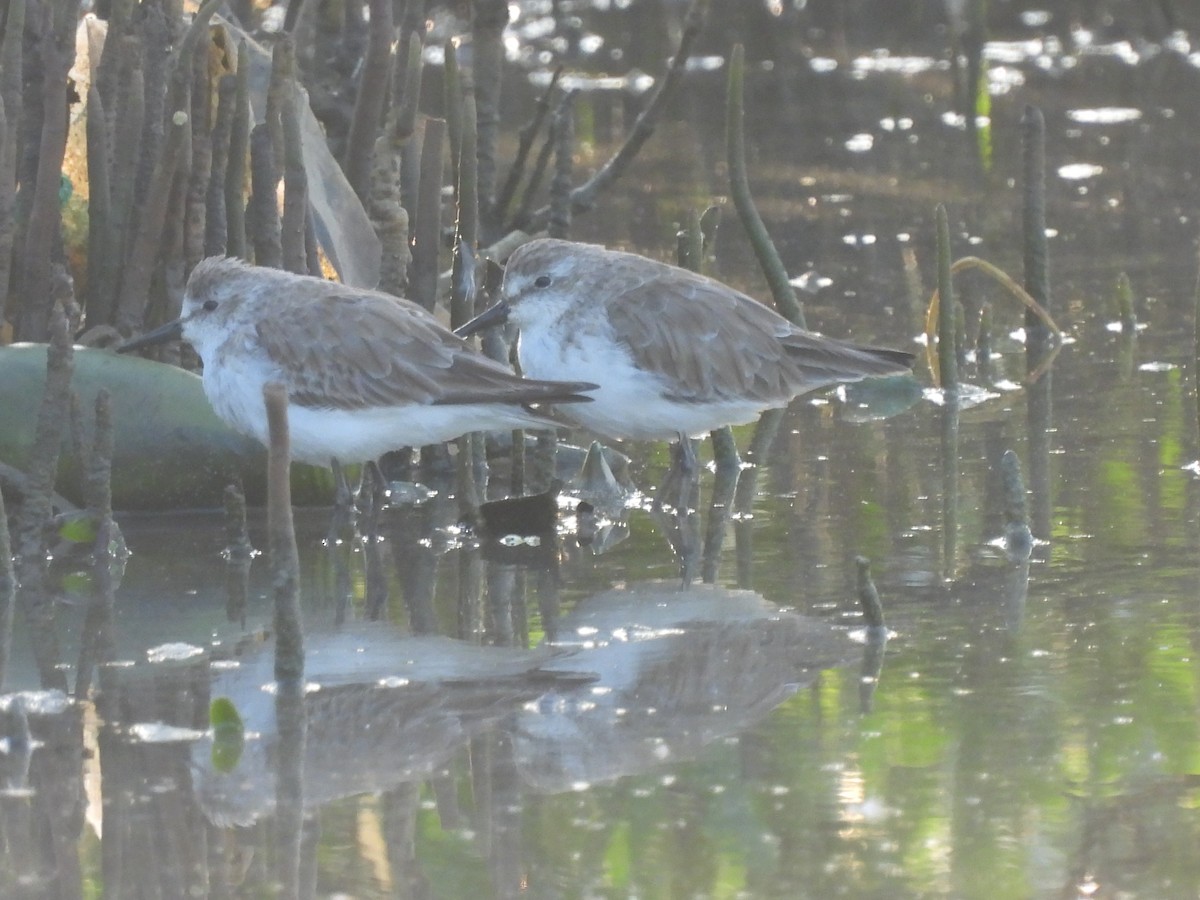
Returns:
<point x="1033" y="730"/>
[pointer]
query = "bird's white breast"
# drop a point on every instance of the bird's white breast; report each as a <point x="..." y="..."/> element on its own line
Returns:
<point x="631" y="403"/>
<point x="235" y="372"/>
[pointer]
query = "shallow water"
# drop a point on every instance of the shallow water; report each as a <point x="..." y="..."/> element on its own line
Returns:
<point x="1034" y="728"/>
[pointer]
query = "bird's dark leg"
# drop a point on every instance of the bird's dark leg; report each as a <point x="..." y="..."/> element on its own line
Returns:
<point x="668" y="490"/>
<point x="374" y="481"/>
<point x="343" y="525"/>
<point x="686" y="507"/>
<point x="684" y="471"/>
<point x="372" y="497"/>
<point x="681" y="489"/>
<point x="343" y="495"/>
<point x="688" y="465"/>
<point x="689" y="475"/>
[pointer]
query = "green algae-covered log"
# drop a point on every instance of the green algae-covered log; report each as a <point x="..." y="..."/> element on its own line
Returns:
<point x="171" y="452"/>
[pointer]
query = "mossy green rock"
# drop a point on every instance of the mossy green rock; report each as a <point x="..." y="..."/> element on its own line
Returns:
<point x="171" y="451"/>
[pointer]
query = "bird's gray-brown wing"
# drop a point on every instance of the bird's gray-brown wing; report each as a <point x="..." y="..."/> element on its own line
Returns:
<point x="714" y="343"/>
<point x="355" y="349"/>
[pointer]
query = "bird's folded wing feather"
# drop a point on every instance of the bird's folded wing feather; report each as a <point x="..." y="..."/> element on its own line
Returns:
<point x="354" y="350"/>
<point x="713" y="343"/>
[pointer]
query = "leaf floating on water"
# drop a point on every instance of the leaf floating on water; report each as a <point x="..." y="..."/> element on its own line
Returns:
<point x="79" y="529"/>
<point x="222" y="713"/>
<point x="229" y="734"/>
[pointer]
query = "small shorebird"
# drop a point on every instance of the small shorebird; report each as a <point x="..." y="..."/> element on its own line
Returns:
<point x="365" y="372"/>
<point x="676" y="354"/>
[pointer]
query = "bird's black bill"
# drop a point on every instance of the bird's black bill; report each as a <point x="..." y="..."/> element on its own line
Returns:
<point x="172" y="331"/>
<point x="496" y="314"/>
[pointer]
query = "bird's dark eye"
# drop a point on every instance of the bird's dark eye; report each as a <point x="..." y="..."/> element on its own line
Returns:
<point x="209" y="305"/>
<point x="542" y="281"/>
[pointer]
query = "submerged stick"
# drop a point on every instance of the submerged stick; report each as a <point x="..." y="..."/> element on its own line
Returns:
<point x="721" y="506"/>
<point x="1039" y="405"/>
<point x="868" y="596"/>
<point x="37" y="508"/>
<point x="99" y="471"/>
<point x="949" y="470"/>
<point x="747" y="492"/>
<point x="1035" y="242"/>
<point x="238" y="554"/>
<point x="739" y="187"/>
<point x="983" y="344"/>
<point x="948" y="373"/>
<point x="287" y="833"/>
<point x="284" y="558"/>
<point x="1018" y="538"/>
<point x="947" y="354"/>
<point x="1125" y="309"/>
<point x="877" y="635"/>
<point x="98" y="646"/>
